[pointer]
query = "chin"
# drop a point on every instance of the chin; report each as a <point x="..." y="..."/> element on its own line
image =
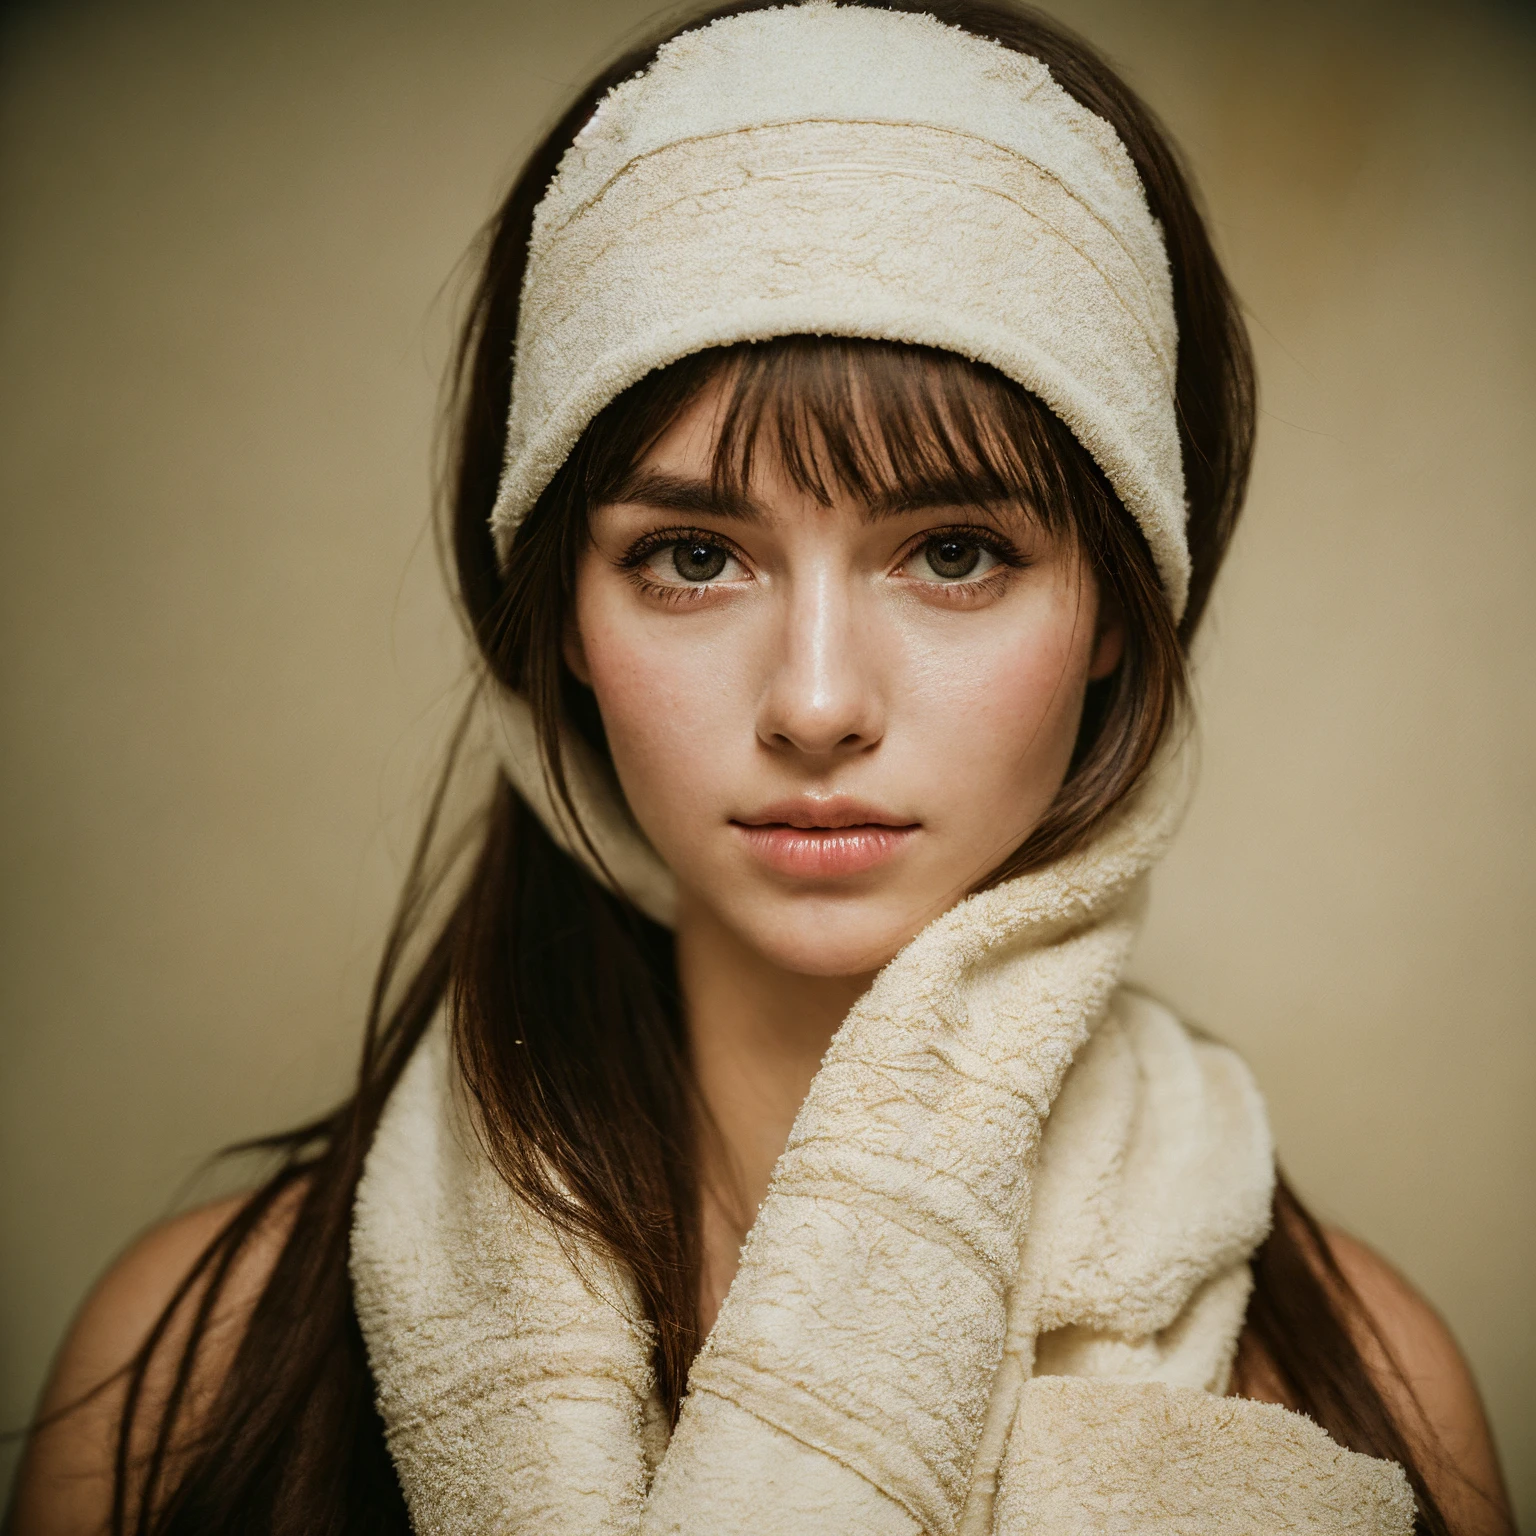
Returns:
<point x="814" y="937"/>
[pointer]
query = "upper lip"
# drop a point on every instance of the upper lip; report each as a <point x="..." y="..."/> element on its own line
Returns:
<point x="823" y="815"/>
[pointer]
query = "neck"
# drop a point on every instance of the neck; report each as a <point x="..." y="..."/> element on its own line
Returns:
<point x="757" y="1034"/>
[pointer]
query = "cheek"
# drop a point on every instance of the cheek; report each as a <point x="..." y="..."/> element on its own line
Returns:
<point x="667" y="692"/>
<point x="1000" y="712"/>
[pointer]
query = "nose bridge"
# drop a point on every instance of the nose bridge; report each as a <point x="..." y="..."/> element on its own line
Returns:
<point x="824" y="694"/>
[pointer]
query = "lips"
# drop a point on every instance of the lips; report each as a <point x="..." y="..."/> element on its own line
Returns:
<point x="824" y="839"/>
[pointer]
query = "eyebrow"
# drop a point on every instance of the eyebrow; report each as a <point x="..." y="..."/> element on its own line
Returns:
<point x="683" y="493"/>
<point x="953" y="490"/>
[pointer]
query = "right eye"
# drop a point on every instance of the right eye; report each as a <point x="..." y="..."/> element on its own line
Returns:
<point x="691" y="562"/>
<point x="697" y="561"/>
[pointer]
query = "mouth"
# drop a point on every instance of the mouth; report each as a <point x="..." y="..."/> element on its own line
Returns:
<point x="824" y="839"/>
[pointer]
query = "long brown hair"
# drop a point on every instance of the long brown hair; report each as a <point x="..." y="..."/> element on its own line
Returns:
<point x="591" y="1116"/>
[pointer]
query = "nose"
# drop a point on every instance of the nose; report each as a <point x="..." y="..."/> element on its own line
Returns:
<point x="823" y="696"/>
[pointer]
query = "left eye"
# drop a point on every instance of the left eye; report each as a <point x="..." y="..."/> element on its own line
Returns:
<point x="951" y="557"/>
<point x="695" y="561"/>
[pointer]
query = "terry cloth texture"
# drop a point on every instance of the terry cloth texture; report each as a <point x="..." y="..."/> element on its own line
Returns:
<point x="829" y="170"/>
<point x="995" y="1286"/>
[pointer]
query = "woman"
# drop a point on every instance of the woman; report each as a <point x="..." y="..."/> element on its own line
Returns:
<point x="852" y="421"/>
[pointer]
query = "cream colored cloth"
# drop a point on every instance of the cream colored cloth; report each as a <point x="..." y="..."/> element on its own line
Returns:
<point x="853" y="172"/>
<point x="997" y="1279"/>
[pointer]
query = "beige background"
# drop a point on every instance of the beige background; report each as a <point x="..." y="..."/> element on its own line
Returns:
<point x="227" y="663"/>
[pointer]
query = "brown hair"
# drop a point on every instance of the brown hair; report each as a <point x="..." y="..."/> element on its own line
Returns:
<point x="591" y="1118"/>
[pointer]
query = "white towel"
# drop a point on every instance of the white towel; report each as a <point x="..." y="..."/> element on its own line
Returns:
<point x="995" y="1285"/>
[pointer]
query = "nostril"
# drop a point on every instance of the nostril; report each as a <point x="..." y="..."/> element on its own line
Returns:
<point x="813" y="717"/>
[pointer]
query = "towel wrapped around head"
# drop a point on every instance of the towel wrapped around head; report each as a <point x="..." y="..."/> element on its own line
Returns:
<point x="842" y="171"/>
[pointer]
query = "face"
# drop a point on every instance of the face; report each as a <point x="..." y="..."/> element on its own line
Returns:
<point x="831" y="722"/>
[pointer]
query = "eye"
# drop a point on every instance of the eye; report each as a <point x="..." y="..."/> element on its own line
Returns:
<point x="949" y="557"/>
<point x="695" y="560"/>
<point x="691" y="560"/>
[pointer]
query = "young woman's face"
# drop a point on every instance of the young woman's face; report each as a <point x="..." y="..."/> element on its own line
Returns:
<point x="831" y="722"/>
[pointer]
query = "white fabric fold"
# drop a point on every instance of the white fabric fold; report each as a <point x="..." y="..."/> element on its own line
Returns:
<point x="1166" y="1461"/>
<point x="1007" y="1166"/>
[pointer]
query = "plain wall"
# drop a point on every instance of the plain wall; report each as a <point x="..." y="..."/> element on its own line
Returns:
<point x="231" y="239"/>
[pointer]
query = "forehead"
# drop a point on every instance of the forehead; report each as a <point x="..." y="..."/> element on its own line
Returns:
<point x="691" y="438"/>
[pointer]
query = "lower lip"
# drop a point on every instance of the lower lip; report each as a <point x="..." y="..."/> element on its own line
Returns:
<point x="812" y="853"/>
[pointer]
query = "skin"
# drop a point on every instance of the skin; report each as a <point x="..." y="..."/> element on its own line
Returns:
<point x="833" y="665"/>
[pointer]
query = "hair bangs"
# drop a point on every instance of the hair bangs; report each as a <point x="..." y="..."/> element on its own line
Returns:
<point x="890" y="424"/>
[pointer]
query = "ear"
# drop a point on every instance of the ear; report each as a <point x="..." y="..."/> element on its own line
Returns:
<point x="575" y="653"/>
<point x="1108" y="640"/>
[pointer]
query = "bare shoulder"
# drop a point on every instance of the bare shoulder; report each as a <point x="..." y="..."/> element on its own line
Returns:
<point x="65" y="1483"/>
<point x="1427" y="1381"/>
<point x="1415" y="1333"/>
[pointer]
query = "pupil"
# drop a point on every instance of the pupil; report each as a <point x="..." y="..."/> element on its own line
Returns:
<point x="698" y="562"/>
<point x="953" y="557"/>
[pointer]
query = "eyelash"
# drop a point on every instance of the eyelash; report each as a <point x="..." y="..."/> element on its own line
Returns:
<point x="633" y="561"/>
<point x="1007" y="554"/>
<point x="1003" y="550"/>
